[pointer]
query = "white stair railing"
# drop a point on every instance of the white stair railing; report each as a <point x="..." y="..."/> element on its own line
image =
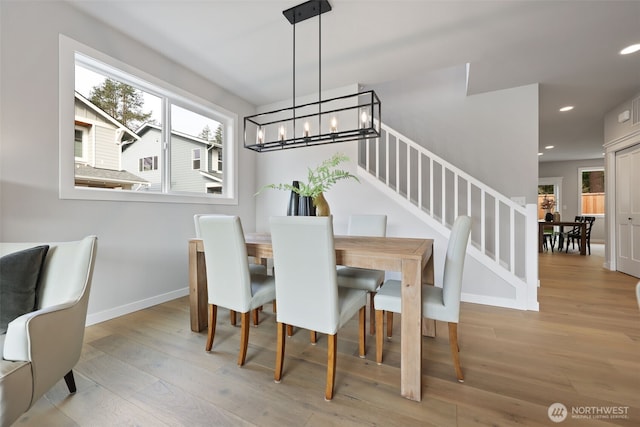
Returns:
<point x="503" y="232"/>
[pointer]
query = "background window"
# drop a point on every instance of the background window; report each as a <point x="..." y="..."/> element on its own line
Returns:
<point x="591" y="197"/>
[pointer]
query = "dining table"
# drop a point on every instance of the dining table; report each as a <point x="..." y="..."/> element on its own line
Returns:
<point x="412" y="257"/>
<point x="561" y="224"/>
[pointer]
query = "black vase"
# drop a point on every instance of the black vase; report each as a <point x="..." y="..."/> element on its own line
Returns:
<point x="306" y="207"/>
<point x="548" y="217"/>
<point x="292" y="210"/>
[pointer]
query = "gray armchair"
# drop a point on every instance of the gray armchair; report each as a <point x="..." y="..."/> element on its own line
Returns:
<point x="42" y="346"/>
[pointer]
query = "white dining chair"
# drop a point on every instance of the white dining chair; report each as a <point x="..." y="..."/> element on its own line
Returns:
<point x="254" y="268"/>
<point x="438" y="303"/>
<point x="364" y="278"/>
<point x="307" y="292"/>
<point x="230" y="282"/>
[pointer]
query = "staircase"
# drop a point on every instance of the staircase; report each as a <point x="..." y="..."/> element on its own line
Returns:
<point x="504" y="233"/>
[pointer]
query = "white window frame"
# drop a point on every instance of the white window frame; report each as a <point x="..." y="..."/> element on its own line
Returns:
<point x="588" y="169"/>
<point x="68" y="48"/>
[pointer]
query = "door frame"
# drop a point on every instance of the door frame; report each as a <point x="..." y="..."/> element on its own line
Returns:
<point x="611" y="148"/>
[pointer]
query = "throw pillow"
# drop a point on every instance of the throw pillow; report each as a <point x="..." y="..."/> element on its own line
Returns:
<point x="19" y="279"/>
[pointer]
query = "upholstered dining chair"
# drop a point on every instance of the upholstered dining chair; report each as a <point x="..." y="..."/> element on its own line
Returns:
<point x="253" y="269"/>
<point x="438" y="303"/>
<point x="363" y="278"/>
<point x="307" y="292"/>
<point x="230" y="282"/>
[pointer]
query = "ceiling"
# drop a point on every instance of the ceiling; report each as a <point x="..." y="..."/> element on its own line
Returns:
<point x="570" y="47"/>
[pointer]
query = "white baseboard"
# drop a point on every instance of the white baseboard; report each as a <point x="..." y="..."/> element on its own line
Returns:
<point x="112" y="313"/>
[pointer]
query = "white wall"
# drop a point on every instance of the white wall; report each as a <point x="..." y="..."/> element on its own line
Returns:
<point x="142" y="247"/>
<point x="491" y="136"/>
<point x="568" y="170"/>
<point x="495" y="135"/>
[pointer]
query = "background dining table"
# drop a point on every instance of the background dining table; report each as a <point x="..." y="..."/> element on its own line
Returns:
<point x="412" y="257"/>
<point x="562" y="224"/>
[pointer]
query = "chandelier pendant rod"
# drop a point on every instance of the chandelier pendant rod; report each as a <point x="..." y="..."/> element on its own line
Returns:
<point x="319" y="70"/>
<point x="294" y="78"/>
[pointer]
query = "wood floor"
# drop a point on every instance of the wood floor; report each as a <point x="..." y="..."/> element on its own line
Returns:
<point x="582" y="350"/>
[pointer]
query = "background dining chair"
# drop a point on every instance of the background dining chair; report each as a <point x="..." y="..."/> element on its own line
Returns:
<point x="363" y="278"/>
<point x="307" y="292"/>
<point x="230" y="282"/>
<point x="575" y="234"/>
<point x="441" y="304"/>
<point x="254" y="268"/>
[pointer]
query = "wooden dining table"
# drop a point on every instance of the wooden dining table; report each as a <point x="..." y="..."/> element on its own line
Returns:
<point x="583" y="232"/>
<point x="412" y="257"/>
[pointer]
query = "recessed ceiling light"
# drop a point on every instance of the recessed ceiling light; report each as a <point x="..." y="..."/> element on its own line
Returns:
<point x="630" y="49"/>
<point x="567" y="108"/>
<point x="549" y="147"/>
<point x="539" y="154"/>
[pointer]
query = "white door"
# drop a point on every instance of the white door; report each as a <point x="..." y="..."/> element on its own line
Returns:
<point x="628" y="210"/>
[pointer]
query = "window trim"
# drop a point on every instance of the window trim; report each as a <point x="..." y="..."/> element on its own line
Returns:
<point x="580" y="171"/>
<point x="67" y="189"/>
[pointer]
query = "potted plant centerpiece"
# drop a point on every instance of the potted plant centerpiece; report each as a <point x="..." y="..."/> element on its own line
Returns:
<point x="309" y="194"/>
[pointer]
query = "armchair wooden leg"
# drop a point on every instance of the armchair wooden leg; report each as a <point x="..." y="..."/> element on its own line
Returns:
<point x="362" y="317"/>
<point x="455" y="349"/>
<point x="331" y="365"/>
<point x="244" y="337"/>
<point x="211" y="330"/>
<point x="389" y="324"/>
<point x="232" y="317"/>
<point x="71" y="382"/>
<point x="379" y="337"/>
<point x="277" y="375"/>
<point x="289" y="330"/>
<point x="313" y="336"/>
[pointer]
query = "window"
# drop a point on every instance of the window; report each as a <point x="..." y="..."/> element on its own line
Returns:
<point x="148" y="164"/>
<point x="78" y="144"/>
<point x="195" y="159"/>
<point x="139" y="138"/>
<point x="591" y="191"/>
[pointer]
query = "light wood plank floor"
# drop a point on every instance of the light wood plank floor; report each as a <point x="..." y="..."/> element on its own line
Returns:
<point x="582" y="349"/>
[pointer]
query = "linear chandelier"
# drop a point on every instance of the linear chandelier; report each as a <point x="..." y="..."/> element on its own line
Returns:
<point x="326" y="121"/>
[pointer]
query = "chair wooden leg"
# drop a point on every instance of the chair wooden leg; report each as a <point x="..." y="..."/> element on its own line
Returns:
<point x="244" y="337"/>
<point x="362" y="331"/>
<point x="379" y="337"/>
<point x="70" y="381"/>
<point x="455" y="349"/>
<point x="289" y="330"/>
<point x="331" y="365"/>
<point x="232" y="317"/>
<point x="255" y="316"/>
<point x="277" y="375"/>
<point x="389" y="324"/>
<point x="372" y="314"/>
<point x="211" y="330"/>
<point x="313" y="336"/>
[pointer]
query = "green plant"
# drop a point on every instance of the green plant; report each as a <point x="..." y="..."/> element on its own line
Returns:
<point x="319" y="179"/>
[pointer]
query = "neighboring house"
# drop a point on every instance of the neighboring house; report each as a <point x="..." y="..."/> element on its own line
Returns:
<point x="98" y="141"/>
<point x="195" y="162"/>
